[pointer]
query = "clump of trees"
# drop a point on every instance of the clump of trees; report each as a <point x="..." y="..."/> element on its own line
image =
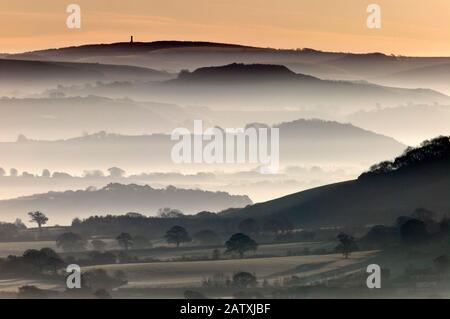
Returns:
<point x="9" y="231"/>
<point x="432" y="151"/>
<point x="347" y="244"/>
<point x="125" y="240"/>
<point x="71" y="242"/>
<point x="421" y="228"/>
<point x="244" y="280"/>
<point x="98" y="283"/>
<point x="240" y="243"/>
<point x="177" y="235"/>
<point x="32" y="262"/>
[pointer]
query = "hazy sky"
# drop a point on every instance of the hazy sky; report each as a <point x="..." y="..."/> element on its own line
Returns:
<point x="410" y="27"/>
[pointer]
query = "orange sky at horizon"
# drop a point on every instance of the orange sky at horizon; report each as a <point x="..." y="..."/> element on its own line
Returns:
<point x="409" y="27"/>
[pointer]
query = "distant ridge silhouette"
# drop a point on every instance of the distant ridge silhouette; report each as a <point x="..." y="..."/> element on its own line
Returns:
<point x="242" y="72"/>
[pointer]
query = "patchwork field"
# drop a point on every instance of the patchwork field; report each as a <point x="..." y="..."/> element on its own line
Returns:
<point x="191" y="274"/>
<point x="271" y="262"/>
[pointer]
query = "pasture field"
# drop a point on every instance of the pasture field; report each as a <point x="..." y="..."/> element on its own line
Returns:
<point x="165" y="253"/>
<point x="13" y="284"/>
<point x="17" y="248"/>
<point x="191" y="273"/>
<point x="271" y="262"/>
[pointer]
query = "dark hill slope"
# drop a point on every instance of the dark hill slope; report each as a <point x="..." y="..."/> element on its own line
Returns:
<point x="418" y="178"/>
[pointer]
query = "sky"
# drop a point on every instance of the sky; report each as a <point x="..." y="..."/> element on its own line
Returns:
<point x="409" y="27"/>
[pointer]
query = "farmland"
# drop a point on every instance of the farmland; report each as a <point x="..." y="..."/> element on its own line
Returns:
<point x="191" y="274"/>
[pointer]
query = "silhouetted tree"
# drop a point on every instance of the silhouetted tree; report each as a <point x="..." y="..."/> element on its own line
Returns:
<point x="39" y="218"/>
<point x="177" y="235"/>
<point x="244" y="280"/>
<point x="76" y="222"/>
<point x="240" y="243"/>
<point x="43" y="259"/>
<point x="125" y="240"/>
<point x="70" y="242"/>
<point x="347" y="244"/>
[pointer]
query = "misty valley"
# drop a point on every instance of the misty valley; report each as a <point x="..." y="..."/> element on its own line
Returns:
<point x="341" y="167"/>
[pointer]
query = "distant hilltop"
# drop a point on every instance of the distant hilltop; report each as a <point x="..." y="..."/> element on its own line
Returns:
<point x="240" y="71"/>
<point x="118" y="198"/>
<point x="138" y="46"/>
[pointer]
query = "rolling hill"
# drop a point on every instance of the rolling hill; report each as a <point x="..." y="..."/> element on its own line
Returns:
<point x="420" y="178"/>
<point x="178" y="55"/>
<point x="265" y="87"/>
<point x="62" y="207"/>
<point x="302" y="142"/>
<point x="30" y="75"/>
